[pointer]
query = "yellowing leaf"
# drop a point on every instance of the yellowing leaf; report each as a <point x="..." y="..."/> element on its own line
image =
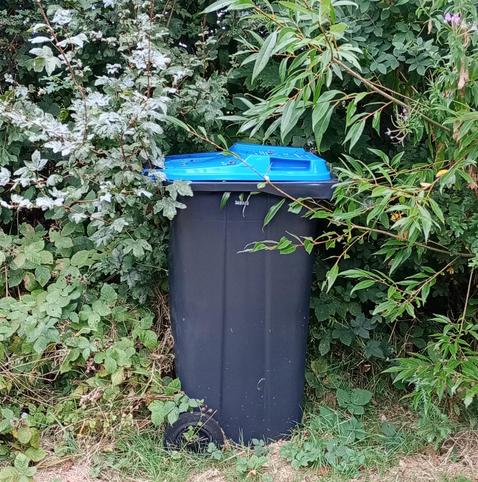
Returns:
<point x="441" y="172"/>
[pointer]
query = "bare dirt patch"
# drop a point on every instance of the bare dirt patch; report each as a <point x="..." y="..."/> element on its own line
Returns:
<point x="69" y="472"/>
<point x="212" y="475"/>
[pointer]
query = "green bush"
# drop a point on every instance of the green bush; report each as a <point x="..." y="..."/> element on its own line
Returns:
<point x="394" y="85"/>
<point x="92" y="92"/>
<point x="89" y="94"/>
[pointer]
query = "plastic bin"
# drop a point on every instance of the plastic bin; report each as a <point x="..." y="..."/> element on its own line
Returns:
<point x="240" y="319"/>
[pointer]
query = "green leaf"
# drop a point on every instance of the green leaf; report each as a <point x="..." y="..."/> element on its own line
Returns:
<point x="24" y="434"/>
<point x="324" y="346"/>
<point x="331" y="276"/>
<point x="321" y="128"/>
<point x="81" y="258"/>
<point x="343" y="397"/>
<point x="354" y="133"/>
<point x="9" y="474"/>
<point x="264" y="54"/>
<point x="376" y="121"/>
<point x="327" y="11"/>
<point x="225" y="197"/>
<point x="35" y="454"/>
<point x="42" y="275"/>
<point x="360" y="396"/>
<point x="363" y="285"/>
<point x="117" y="378"/>
<point x="273" y="210"/>
<point x="20" y="260"/>
<point x="159" y="411"/>
<point x="373" y="348"/>
<point x="218" y="5"/>
<point x="108" y="294"/>
<point x="290" y="117"/>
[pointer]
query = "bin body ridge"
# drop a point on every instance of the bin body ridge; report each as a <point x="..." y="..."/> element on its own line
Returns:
<point x="240" y="320"/>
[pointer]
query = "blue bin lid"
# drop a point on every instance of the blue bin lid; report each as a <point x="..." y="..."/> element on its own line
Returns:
<point x="249" y="162"/>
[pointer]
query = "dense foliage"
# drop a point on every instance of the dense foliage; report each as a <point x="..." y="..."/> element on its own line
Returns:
<point x="396" y="86"/>
<point x="91" y="92"/>
<point x="86" y="92"/>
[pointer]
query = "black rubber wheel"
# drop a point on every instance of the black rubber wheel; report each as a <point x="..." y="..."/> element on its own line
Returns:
<point x="193" y="431"/>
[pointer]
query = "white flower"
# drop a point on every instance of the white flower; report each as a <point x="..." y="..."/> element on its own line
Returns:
<point x="62" y="16"/>
<point x="8" y="78"/>
<point x="4" y="176"/>
<point x="109" y="3"/>
<point x="4" y="204"/>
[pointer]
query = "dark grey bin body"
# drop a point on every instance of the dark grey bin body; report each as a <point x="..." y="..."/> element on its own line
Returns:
<point x="240" y="320"/>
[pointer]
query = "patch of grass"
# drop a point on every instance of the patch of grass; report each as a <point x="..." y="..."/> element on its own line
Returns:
<point x="142" y="456"/>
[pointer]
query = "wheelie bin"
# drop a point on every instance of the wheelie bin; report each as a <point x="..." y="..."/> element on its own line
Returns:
<point x="240" y="318"/>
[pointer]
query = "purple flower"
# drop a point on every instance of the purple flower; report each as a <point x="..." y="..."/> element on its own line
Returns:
<point x="453" y="19"/>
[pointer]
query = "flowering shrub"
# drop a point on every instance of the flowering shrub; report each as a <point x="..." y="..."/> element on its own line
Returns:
<point x="88" y="96"/>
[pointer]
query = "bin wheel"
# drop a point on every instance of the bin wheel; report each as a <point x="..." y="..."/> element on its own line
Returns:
<point x="193" y="431"/>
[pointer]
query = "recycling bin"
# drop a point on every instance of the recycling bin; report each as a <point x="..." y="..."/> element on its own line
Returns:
<point x="240" y="318"/>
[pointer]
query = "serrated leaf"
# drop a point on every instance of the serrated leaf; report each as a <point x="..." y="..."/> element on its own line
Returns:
<point x="81" y="258"/>
<point x="42" y="275"/>
<point x="35" y="454"/>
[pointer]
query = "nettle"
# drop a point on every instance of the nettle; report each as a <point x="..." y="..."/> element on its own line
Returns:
<point x="396" y="86"/>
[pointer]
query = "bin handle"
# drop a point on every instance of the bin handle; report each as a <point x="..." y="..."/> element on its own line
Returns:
<point x="281" y="164"/>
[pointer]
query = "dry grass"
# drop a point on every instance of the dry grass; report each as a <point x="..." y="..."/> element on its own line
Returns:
<point x="457" y="458"/>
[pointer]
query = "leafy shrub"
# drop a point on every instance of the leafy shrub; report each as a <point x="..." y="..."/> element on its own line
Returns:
<point x="395" y="86"/>
<point x="89" y="95"/>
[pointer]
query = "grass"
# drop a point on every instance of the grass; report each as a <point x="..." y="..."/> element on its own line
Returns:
<point x="141" y="455"/>
<point x="327" y="445"/>
<point x="330" y="445"/>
